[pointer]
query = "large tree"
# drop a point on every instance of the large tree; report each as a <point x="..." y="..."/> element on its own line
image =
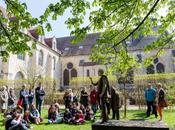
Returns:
<point x="118" y="20"/>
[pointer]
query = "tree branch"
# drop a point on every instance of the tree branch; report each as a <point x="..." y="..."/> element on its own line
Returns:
<point x="166" y="42"/>
<point x="7" y="34"/>
<point x="7" y="1"/>
<point x="144" y="19"/>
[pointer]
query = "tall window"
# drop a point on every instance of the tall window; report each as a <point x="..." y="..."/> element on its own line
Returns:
<point x="69" y="73"/>
<point x="73" y="73"/>
<point x="157" y="67"/>
<point x="88" y="73"/>
<point x="66" y="77"/>
<point x="150" y="69"/>
<point x="54" y="63"/>
<point x="21" y="56"/>
<point x="139" y="57"/>
<point x="41" y="57"/>
<point x="160" y="68"/>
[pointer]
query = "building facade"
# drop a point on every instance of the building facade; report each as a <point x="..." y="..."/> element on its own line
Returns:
<point x="75" y="60"/>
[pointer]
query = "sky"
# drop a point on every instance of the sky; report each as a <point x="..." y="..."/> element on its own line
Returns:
<point x="37" y="8"/>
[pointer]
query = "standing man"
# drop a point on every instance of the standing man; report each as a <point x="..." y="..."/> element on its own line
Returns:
<point x="104" y="94"/>
<point x="115" y="103"/>
<point x="39" y="92"/>
<point x="84" y="97"/>
<point x="150" y="96"/>
<point x="24" y="96"/>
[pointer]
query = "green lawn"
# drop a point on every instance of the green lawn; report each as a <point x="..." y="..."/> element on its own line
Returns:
<point x="169" y="117"/>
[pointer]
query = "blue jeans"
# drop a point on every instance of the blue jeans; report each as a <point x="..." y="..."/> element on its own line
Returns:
<point x="94" y="108"/>
<point x="25" y="107"/>
<point x="38" y="105"/>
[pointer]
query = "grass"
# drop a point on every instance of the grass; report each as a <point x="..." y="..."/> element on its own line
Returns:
<point x="169" y="117"/>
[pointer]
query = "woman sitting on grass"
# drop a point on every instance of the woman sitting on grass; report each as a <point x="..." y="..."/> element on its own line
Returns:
<point x="35" y="116"/>
<point x="52" y="116"/>
<point x="27" y="116"/>
<point x="59" y="114"/>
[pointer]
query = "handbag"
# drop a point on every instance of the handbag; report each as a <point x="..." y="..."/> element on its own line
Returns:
<point x="163" y="103"/>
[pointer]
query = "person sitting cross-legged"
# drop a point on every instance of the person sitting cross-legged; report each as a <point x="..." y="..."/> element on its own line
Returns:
<point x="67" y="116"/>
<point x="52" y="115"/>
<point x="59" y="114"/>
<point x="89" y="113"/>
<point x="79" y="118"/>
<point x="35" y="116"/>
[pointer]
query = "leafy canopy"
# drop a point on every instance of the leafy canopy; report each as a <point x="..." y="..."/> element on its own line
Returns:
<point x="117" y="20"/>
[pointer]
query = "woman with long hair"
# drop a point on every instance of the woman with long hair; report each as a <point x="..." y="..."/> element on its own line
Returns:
<point x="161" y="100"/>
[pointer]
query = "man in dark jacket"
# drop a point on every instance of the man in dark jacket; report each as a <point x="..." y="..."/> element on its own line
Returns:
<point x="84" y="97"/>
<point x="24" y="96"/>
<point x="115" y="103"/>
<point x="104" y="94"/>
<point x="40" y="93"/>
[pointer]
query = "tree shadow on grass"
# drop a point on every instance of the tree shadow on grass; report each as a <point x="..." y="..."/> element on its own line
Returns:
<point x="138" y="116"/>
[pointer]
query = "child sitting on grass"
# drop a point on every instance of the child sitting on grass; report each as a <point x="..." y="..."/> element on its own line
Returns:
<point x="35" y="116"/>
<point x="67" y="117"/>
<point x="59" y="114"/>
<point x="89" y="113"/>
<point x="27" y="116"/>
<point x="79" y="118"/>
<point x="82" y="108"/>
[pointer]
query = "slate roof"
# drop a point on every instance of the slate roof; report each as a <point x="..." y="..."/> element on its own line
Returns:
<point x="88" y="64"/>
<point x="87" y="43"/>
<point x="72" y="50"/>
<point x="33" y="33"/>
<point x="48" y="41"/>
<point x="141" y="42"/>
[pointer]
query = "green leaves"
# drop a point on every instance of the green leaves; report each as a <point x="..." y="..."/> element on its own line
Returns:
<point x="48" y="27"/>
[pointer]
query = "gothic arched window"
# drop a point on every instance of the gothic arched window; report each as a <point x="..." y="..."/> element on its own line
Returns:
<point x="66" y="77"/>
<point x="40" y="58"/>
<point x="73" y="73"/>
<point x="160" y="68"/>
<point x="54" y="63"/>
<point x="150" y="69"/>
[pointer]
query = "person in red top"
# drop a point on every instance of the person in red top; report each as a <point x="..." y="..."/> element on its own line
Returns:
<point x="93" y="99"/>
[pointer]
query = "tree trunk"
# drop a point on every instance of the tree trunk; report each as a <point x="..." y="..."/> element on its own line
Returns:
<point x="125" y="104"/>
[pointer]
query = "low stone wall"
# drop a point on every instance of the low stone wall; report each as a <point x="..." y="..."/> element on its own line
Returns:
<point x="129" y="125"/>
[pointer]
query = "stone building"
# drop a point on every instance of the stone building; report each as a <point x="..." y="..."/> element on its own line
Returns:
<point x="75" y="60"/>
<point x="45" y="61"/>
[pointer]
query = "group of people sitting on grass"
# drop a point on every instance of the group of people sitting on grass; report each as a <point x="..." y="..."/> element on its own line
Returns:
<point x="16" y="120"/>
<point x="72" y="115"/>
